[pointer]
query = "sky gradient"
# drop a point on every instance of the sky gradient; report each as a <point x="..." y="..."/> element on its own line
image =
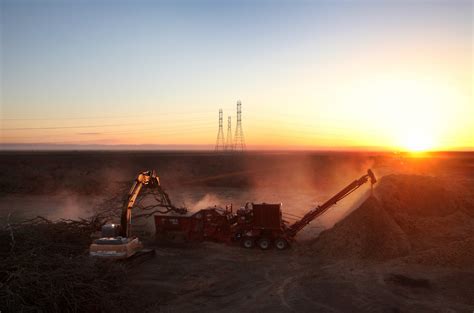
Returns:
<point x="313" y="74"/>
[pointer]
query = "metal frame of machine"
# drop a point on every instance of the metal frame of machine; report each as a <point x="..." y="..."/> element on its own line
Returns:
<point x="255" y="224"/>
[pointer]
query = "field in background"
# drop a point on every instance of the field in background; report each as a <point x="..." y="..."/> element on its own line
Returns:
<point x="71" y="184"/>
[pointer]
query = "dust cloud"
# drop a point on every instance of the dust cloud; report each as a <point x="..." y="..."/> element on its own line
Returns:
<point x="298" y="180"/>
<point x="310" y="181"/>
<point x="209" y="200"/>
<point x="71" y="207"/>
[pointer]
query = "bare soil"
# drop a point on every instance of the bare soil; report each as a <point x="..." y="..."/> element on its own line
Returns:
<point x="409" y="249"/>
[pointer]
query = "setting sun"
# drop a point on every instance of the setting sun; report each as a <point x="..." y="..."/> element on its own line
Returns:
<point x="420" y="112"/>
<point x="408" y="112"/>
<point x="416" y="141"/>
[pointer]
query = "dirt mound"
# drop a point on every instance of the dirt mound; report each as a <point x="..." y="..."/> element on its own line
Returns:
<point x="414" y="217"/>
<point x="426" y="209"/>
<point x="417" y="196"/>
<point x="459" y="254"/>
<point x="367" y="233"/>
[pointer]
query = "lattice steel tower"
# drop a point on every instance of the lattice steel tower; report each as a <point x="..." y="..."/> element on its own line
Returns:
<point x="228" y="142"/>
<point x="239" y="142"/>
<point x="220" y="145"/>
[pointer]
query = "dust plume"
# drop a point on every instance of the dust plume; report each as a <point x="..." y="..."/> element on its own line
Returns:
<point x="209" y="200"/>
<point x="304" y="181"/>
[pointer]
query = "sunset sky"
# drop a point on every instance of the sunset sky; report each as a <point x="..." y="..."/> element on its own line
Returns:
<point x="393" y="75"/>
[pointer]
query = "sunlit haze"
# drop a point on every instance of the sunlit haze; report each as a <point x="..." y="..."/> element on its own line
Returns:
<point x="385" y="75"/>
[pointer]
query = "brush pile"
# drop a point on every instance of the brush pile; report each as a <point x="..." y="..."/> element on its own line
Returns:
<point x="45" y="267"/>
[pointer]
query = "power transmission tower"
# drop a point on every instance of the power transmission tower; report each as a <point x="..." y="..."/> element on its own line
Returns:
<point x="220" y="135"/>
<point x="239" y="142"/>
<point x="228" y="143"/>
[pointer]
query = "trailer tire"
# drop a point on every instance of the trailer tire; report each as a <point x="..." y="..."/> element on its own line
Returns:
<point x="281" y="244"/>
<point x="248" y="242"/>
<point x="264" y="243"/>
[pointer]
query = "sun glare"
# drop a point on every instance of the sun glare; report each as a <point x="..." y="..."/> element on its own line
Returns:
<point x="415" y="141"/>
<point x="410" y="113"/>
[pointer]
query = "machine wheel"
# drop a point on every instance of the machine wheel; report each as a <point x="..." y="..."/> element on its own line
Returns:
<point x="281" y="244"/>
<point x="264" y="243"/>
<point x="248" y="242"/>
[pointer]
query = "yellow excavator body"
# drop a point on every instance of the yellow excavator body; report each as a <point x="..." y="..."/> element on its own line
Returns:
<point x="117" y="241"/>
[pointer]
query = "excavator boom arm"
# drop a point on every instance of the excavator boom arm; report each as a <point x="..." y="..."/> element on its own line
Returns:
<point x="149" y="179"/>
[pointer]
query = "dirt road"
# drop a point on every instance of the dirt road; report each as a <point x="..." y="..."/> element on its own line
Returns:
<point x="217" y="278"/>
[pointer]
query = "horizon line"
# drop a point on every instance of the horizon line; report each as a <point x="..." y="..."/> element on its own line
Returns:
<point x="203" y="148"/>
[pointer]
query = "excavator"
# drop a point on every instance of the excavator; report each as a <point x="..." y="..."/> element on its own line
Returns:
<point x="116" y="240"/>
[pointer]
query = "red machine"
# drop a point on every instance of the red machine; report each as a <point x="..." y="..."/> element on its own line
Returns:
<point x="255" y="224"/>
<point x="212" y="224"/>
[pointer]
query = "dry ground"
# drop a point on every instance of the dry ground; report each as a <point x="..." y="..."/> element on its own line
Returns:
<point x="218" y="278"/>
<point x="311" y="277"/>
